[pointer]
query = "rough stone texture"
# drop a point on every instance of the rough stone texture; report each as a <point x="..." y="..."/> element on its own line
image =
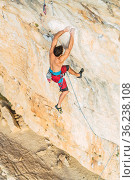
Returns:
<point x="24" y="63"/>
<point x="20" y="159"/>
<point x="64" y="160"/>
<point x="10" y="120"/>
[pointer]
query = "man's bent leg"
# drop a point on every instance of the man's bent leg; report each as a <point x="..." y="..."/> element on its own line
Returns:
<point x="71" y="71"/>
<point x="61" y="98"/>
<point x="64" y="90"/>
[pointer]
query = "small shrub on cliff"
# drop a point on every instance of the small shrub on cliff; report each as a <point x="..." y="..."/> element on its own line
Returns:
<point x="36" y="25"/>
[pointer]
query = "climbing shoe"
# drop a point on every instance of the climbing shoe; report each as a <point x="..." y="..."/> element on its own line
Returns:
<point x="59" y="109"/>
<point x="82" y="70"/>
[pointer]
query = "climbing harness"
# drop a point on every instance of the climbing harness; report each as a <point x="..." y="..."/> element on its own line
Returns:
<point x="91" y="127"/>
<point x="49" y="76"/>
<point x="44" y="8"/>
<point x="50" y="73"/>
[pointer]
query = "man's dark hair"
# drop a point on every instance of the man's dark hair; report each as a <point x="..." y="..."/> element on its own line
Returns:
<point x="58" y="50"/>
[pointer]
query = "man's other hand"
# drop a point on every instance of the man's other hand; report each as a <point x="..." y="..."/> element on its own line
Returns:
<point x="67" y="29"/>
<point x="72" y="31"/>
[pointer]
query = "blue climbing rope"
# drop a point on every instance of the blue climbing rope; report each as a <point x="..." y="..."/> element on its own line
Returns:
<point x="91" y="127"/>
<point x="79" y="105"/>
<point x="108" y="161"/>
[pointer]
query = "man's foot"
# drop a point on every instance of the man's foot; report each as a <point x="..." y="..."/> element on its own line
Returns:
<point x="82" y="70"/>
<point x="59" y="109"/>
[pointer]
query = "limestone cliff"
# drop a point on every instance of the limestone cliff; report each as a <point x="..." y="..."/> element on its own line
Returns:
<point x="25" y="39"/>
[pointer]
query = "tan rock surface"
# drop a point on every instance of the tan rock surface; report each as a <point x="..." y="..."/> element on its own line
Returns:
<point x="20" y="159"/>
<point x="10" y="120"/>
<point x="24" y="63"/>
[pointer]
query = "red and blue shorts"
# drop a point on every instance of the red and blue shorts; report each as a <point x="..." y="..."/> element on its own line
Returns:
<point x="60" y="80"/>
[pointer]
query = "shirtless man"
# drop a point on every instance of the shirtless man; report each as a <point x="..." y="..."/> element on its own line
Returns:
<point x="57" y="69"/>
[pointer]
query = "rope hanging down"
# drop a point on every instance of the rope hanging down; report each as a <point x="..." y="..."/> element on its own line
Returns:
<point x="44" y="8"/>
<point x="52" y="7"/>
<point x="79" y="106"/>
<point x="108" y="161"/>
<point x="90" y="126"/>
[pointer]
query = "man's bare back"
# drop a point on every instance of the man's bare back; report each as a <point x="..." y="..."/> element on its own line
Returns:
<point x="55" y="63"/>
<point x="57" y="69"/>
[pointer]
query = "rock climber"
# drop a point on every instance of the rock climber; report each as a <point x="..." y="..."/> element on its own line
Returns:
<point x="57" y="69"/>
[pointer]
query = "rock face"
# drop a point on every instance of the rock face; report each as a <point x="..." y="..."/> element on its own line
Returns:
<point x="25" y="39"/>
<point x="10" y="120"/>
<point x="20" y="159"/>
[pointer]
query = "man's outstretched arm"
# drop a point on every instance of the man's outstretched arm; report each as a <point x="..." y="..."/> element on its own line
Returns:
<point x="70" y="46"/>
<point x="56" y="36"/>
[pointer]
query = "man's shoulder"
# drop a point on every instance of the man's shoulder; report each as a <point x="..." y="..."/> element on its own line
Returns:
<point x="54" y="58"/>
<point x="51" y="55"/>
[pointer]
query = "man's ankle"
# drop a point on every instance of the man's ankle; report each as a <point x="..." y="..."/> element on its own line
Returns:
<point x="59" y="106"/>
<point x="78" y="75"/>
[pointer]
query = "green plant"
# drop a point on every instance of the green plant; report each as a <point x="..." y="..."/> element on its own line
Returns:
<point x="36" y="25"/>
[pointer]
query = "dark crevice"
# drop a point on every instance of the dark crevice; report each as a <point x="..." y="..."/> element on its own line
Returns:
<point x="97" y="19"/>
<point x="111" y="3"/>
<point x="5" y="103"/>
<point x="94" y="17"/>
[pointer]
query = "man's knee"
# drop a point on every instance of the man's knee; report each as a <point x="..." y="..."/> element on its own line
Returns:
<point x="65" y="92"/>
